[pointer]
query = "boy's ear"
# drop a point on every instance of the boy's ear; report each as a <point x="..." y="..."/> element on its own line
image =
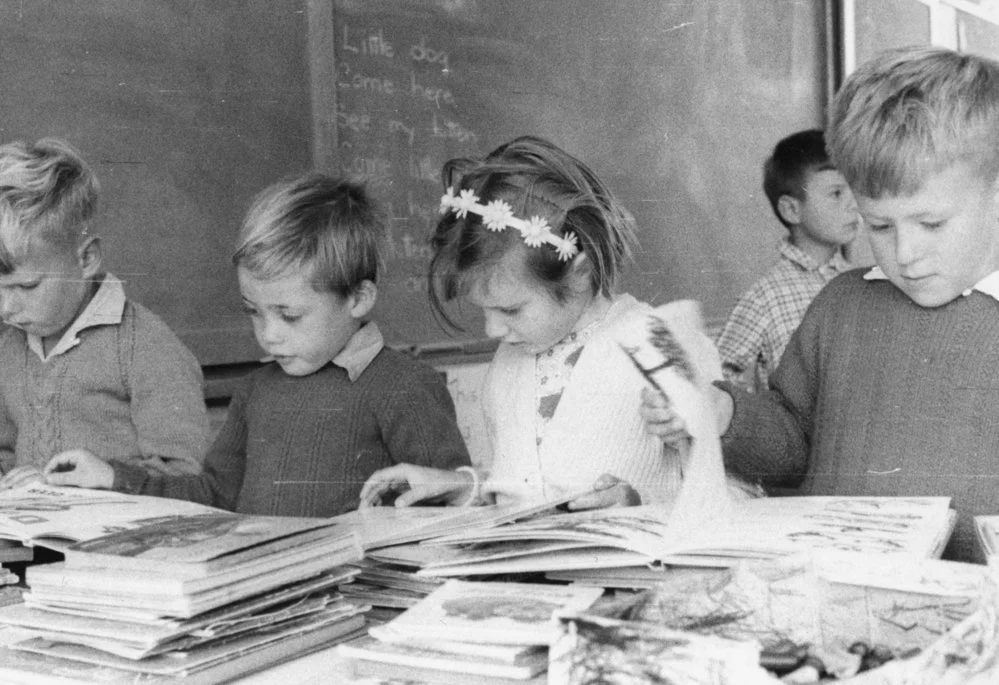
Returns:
<point x="362" y="300"/>
<point x="789" y="208"/>
<point x="91" y="256"/>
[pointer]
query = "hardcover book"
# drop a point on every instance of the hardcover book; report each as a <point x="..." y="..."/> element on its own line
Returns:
<point x="426" y="657"/>
<point x="492" y="612"/>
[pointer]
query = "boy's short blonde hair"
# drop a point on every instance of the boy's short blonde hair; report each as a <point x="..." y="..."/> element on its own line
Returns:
<point x="48" y="195"/>
<point x="317" y="222"/>
<point x="911" y="112"/>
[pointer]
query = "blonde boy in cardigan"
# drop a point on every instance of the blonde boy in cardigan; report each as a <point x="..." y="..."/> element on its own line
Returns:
<point x="82" y="368"/>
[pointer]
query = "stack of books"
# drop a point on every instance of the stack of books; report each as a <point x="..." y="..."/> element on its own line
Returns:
<point x="199" y="594"/>
<point x="388" y="586"/>
<point x="489" y="633"/>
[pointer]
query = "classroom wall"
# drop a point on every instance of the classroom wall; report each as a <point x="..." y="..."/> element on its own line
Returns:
<point x="186" y="109"/>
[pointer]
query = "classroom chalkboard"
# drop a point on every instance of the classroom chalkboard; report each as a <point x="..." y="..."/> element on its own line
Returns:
<point x="185" y="109"/>
<point x="675" y="104"/>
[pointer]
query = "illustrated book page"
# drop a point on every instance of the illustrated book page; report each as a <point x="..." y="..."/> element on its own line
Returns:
<point x="758" y="528"/>
<point x="53" y="516"/>
<point x="492" y="612"/>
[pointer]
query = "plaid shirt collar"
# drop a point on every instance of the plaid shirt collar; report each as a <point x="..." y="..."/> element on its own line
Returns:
<point x="795" y="254"/>
<point x="988" y="285"/>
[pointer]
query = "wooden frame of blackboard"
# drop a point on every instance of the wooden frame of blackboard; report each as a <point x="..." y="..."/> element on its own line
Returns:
<point x="868" y="26"/>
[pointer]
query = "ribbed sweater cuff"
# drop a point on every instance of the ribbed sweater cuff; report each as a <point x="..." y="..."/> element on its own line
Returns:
<point x="128" y="478"/>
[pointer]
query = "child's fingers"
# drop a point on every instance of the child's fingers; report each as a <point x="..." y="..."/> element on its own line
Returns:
<point x="381" y="483"/>
<point x="615" y="493"/>
<point x="63" y="478"/>
<point x="21" y="475"/>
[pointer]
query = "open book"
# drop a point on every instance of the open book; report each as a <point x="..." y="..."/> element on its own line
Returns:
<point x="759" y="528"/>
<point x="378" y="527"/>
<point x="55" y="517"/>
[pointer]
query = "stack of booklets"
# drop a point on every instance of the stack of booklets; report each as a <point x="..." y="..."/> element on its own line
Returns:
<point x="387" y="585"/>
<point x="200" y="593"/>
<point x="489" y="633"/>
<point x="635" y="537"/>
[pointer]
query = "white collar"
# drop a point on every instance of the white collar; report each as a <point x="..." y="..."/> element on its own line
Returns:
<point x="106" y="307"/>
<point x="988" y="285"/>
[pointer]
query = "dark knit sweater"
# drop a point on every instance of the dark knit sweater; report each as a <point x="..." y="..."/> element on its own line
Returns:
<point x="304" y="446"/>
<point x="876" y="395"/>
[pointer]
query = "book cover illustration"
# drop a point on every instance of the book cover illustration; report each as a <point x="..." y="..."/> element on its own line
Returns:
<point x="195" y="538"/>
<point x="492" y="612"/>
<point x="593" y="649"/>
<point x="58" y="516"/>
<point x="828" y="599"/>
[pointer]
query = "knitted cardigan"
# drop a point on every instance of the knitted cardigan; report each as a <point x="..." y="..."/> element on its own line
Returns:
<point x="304" y="445"/>
<point x="129" y="392"/>
<point x="596" y="428"/>
<point x="876" y="395"/>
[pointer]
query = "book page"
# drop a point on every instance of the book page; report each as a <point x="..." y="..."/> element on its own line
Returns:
<point x="674" y="354"/>
<point x="36" y="513"/>
<point x="493" y="612"/>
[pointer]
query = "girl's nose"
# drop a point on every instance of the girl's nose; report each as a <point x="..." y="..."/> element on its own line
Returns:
<point x="8" y="305"/>
<point x="495" y="327"/>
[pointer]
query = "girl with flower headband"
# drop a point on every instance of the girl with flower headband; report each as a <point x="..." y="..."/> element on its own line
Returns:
<point x="531" y="236"/>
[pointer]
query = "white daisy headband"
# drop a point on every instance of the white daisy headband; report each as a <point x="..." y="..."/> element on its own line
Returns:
<point x="498" y="215"/>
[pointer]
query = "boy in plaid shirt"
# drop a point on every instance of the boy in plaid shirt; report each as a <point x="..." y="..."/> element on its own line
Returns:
<point x="811" y="198"/>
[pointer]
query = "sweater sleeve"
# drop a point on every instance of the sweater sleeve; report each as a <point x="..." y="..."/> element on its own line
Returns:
<point x="418" y="421"/>
<point x="166" y="397"/>
<point x="8" y="439"/>
<point x="221" y="480"/>
<point x="769" y="436"/>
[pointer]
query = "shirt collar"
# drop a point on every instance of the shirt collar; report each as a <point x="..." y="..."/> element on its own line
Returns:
<point x="795" y="254"/>
<point x="360" y="350"/>
<point x="988" y="285"/>
<point x="105" y="308"/>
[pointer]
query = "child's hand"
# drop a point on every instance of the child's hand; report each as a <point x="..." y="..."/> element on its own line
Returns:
<point x="21" y="475"/>
<point x="609" y="491"/>
<point x="660" y="418"/>
<point x="79" y="468"/>
<point x="417" y="483"/>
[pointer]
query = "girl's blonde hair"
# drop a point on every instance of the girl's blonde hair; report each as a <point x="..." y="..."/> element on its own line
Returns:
<point x="316" y="222"/>
<point x="911" y="112"/>
<point x="48" y="197"/>
<point x="537" y="179"/>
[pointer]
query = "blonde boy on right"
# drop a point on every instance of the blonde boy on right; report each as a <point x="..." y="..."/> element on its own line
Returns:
<point x="890" y="385"/>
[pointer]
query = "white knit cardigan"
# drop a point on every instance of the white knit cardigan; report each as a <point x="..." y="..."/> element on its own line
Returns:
<point x="596" y="428"/>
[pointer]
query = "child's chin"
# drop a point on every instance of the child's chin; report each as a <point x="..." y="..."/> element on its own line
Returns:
<point x="297" y="368"/>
